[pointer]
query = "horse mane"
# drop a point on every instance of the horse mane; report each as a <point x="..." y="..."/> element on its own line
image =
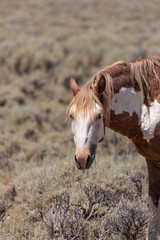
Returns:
<point x="143" y="70"/>
<point x="139" y="72"/>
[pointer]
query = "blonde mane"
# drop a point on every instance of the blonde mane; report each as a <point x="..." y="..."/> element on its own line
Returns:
<point x="139" y="72"/>
<point x="143" y="70"/>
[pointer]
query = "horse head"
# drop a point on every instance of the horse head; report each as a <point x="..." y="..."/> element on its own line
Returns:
<point x="86" y="113"/>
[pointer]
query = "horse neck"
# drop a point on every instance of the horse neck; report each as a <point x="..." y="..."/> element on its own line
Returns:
<point x="126" y="110"/>
<point x="125" y="106"/>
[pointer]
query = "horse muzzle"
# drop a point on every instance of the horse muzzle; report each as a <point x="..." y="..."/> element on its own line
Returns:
<point x="84" y="163"/>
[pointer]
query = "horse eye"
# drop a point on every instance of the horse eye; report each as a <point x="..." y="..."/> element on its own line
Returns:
<point x="99" y="116"/>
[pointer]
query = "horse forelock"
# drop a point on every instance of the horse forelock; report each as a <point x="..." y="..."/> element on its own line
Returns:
<point x="84" y="101"/>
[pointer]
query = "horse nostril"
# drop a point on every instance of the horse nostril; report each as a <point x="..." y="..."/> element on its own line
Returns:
<point x="75" y="159"/>
<point x="78" y="164"/>
<point x="88" y="160"/>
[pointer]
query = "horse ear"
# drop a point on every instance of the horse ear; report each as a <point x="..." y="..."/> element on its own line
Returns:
<point x="74" y="86"/>
<point x="101" y="85"/>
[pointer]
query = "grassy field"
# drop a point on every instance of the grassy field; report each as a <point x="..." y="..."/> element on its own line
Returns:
<point x="42" y="194"/>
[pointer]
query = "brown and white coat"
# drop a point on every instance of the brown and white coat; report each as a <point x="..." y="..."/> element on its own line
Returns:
<point x="127" y="96"/>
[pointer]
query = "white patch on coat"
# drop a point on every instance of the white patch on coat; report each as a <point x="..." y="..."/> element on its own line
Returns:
<point x="154" y="225"/>
<point x="130" y="101"/>
<point x="127" y="100"/>
<point x="86" y="129"/>
<point x="150" y="116"/>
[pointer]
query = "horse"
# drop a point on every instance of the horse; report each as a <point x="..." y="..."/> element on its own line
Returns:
<point x="126" y="98"/>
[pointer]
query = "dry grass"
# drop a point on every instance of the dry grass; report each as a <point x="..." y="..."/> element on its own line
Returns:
<point x="110" y="213"/>
<point x="43" y="43"/>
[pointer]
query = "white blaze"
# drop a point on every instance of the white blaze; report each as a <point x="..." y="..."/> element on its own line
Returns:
<point x="86" y="129"/>
<point x="130" y="101"/>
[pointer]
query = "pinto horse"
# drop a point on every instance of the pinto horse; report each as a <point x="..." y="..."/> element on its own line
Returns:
<point x="126" y="98"/>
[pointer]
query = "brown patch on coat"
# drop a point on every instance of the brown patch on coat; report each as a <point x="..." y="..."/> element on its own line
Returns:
<point x="129" y="126"/>
<point x="125" y="124"/>
<point x="157" y="131"/>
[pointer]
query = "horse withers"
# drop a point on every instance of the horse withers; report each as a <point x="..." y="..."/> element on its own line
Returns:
<point x="126" y="98"/>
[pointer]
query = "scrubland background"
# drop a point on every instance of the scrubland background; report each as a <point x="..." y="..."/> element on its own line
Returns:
<point x="42" y="194"/>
